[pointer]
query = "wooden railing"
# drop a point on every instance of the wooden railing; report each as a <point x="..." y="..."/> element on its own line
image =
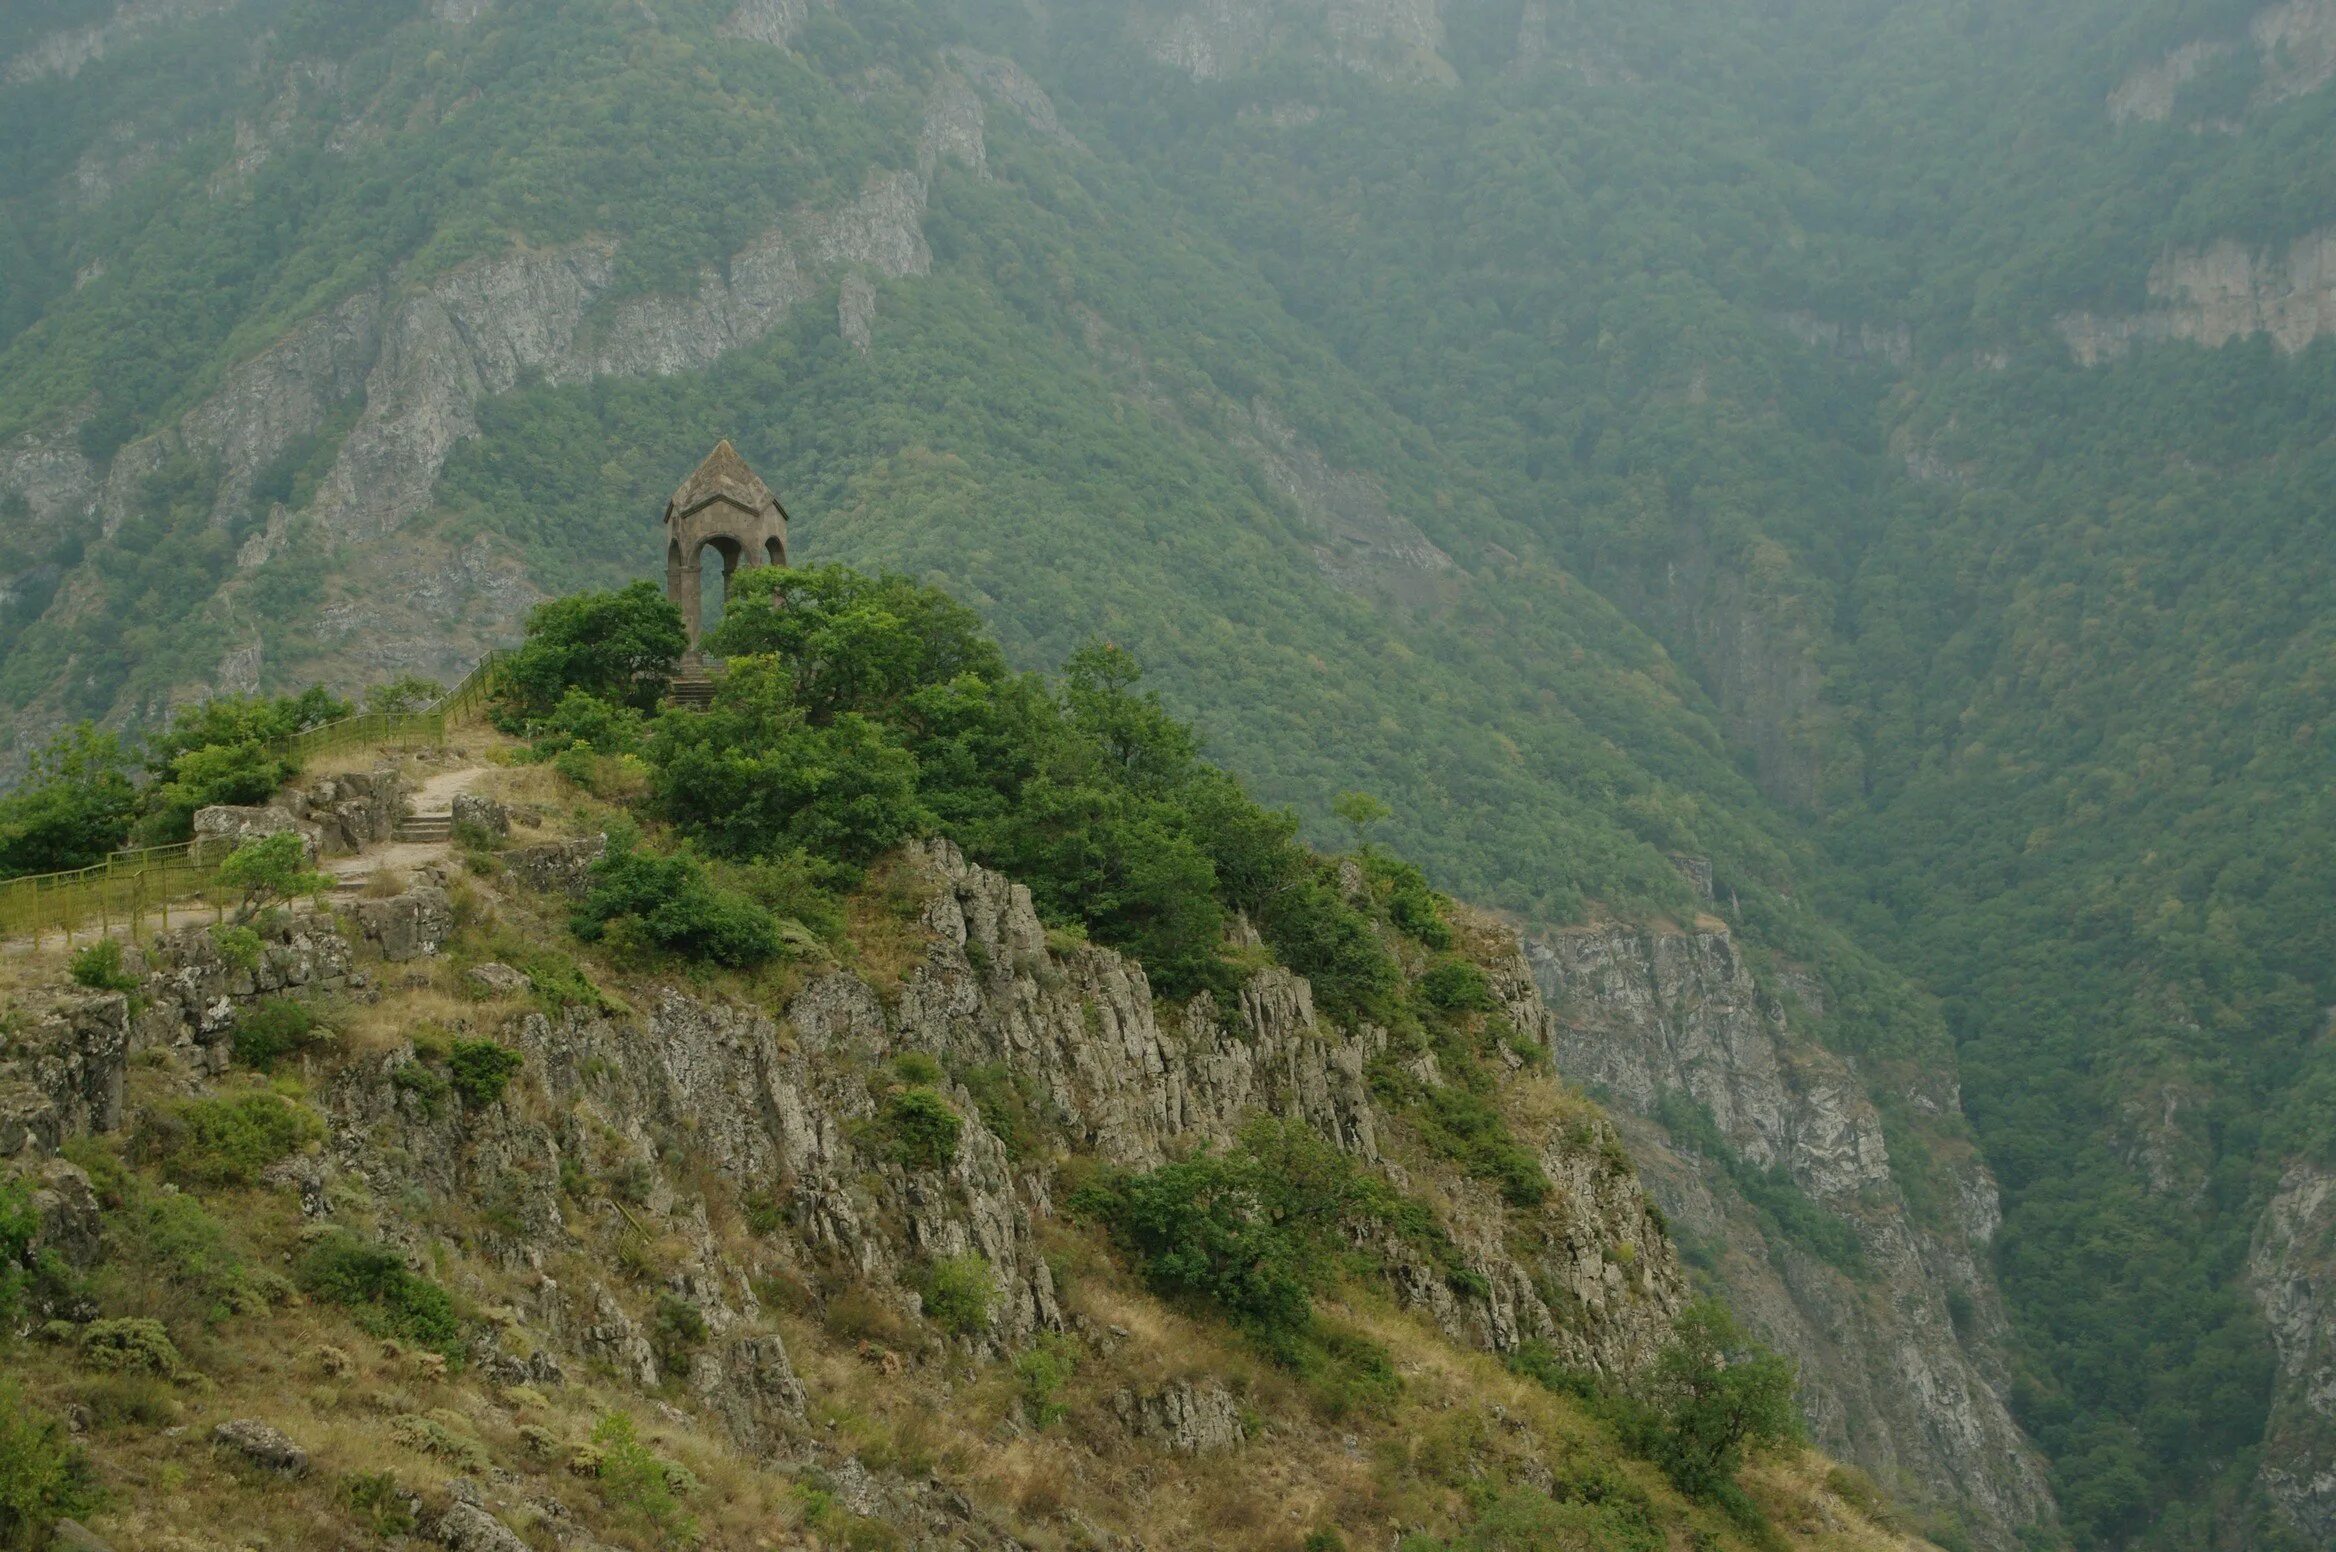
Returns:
<point x="130" y="887"/>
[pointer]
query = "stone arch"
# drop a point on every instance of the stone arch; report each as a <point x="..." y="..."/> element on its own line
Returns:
<point x="724" y="507"/>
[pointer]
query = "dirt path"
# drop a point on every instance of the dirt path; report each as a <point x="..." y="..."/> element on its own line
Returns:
<point x="434" y="799"/>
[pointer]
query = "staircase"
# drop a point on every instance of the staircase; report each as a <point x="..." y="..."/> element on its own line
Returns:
<point x="426" y="827"/>
<point x="692" y="688"/>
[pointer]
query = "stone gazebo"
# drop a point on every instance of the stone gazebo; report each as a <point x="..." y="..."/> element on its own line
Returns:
<point x="726" y="506"/>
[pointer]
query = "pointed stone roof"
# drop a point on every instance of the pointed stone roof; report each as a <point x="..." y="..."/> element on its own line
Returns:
<point x="724" y="476"/>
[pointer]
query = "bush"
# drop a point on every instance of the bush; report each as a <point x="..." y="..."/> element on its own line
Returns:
<point x="131" y="1346"/>
<point x="669" y="905"/>
<point x="275" y="1028"/>
<point x="638" y="1486"/>
<point x="227" y="1142"/>
<point x="1456" y="986"/>
<point x="19" y="1226"/>
<point x="388" y="1300"/>
<point x="676" y="1331"/>
<point x="268" y="871"/>
<point x="919" y="1129"/>
<point x="1712" y="1394"/>
<point x="480" y="1070"/>
<point x="617" y="647"/>
<point x="99" y="967"/>
<point x="958" y="1292"/>
<point x="1040" y="1373"/>
<point x="43" y="1477"/>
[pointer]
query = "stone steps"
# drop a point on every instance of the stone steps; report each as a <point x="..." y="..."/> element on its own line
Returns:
<point x="692" y="688"/>
<point x="426" y="827"/>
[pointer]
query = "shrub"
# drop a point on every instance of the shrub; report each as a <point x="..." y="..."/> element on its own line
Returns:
<point x="227" y="1142"/>
<point x="669" y="905"/>
<point x="675" y="1332"/>
<point x="617" y="646"/>
<point x="376" y="1502"/>
<point x="1040" y="1373"/>
<point x="269" y="870"/>
<point x="19" y="1226"/>
<point x="919" y="1129"/>
<point x="1464" y="1127"/>
<point x="958" y="1292"/>
<point x="640" y="1487"/>
<point x="480" y="1070"/>
<point x="1456" y="986"/>
<point x="274" y="1028"/>
<point x="99" y="967"/>
<point x="1711" y="1394"/>
<point x="238" y="946"/>
<point x="43" y="1478"/>
<point x="131" y="1346"/>
<point x="388" y="1300"/>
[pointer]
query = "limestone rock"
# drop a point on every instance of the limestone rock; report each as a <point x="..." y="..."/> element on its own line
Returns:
<point x="358" y="809"/>
<point x="72" y="1224"/>
<point x="2292" y="1271"/>
<point x="193" y="991"/>
<point x="263" y="1445"/>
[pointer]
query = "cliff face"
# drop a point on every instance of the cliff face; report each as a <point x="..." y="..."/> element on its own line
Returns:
<point x="1891" y="1382"/>
<point x="2293" y="1273"/>
<point x="2219" y="294"/>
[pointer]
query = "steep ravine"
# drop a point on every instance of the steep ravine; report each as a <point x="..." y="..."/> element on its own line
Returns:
<point x="1642" y="1013"/>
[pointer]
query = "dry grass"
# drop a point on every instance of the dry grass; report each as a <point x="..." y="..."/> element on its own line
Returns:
<point x="885" y="920"/>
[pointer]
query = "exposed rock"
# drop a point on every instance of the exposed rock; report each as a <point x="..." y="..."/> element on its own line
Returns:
<point x="2148" y="93"/>
<point x="475" y="811"/>
<point x="557" y="867"/>
<point x="1640" y="1014"/>
<point x="72" y="1223"/>
<point x="193" y="990"/>
<point x="71" y="1536"/>
<point x="1393" y="40"/>
<point x="2292" y="1269"/>
<point x="263" y="1445"/>
<point x="353" y="811"/>
<point x="856" y="312"/>
<point x="406" y="926"/>
<point x="468" y="1528"/>
<point x="493" y="980"/>
<point x="1005" y="80"/>
<point x="68" y="53"/>
<point x="63" y="1073"/>
<point x="1184" y="1419"/>
<point x="768" y="21"/>
<point x="2297" y="43"/>
<point x="2220" y="294"/>
<point x="1892" y="344"/>
<point x="222" y="828"/>
<point x="1363" y="543"/>
<point x="477" y="331"/>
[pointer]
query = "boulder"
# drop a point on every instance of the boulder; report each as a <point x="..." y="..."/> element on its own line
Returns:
<point x="358" y="809"/>
<point x="222" y="828"/>
<point x="407" y="926"/>
<point x="474" y="812"/>
<point x="557" y="867"/>
<point x="62" y="1076"/>
<point x="1184" y="1419"/>
<point x="262" y="1445"/>
<point x="496" y="980"/>
<point x="468" y="1528"/>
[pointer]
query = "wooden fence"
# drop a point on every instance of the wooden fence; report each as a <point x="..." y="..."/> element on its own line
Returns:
<point x="130" y="888"/>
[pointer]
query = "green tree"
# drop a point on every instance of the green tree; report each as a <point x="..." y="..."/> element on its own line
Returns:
<point x="75" y="805"/>
<point x="1716" y="1393"/>
<point x="269" y="871"/>
<point x="618" y="647"/>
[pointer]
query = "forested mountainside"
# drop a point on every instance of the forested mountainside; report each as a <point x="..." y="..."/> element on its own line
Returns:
<point x="1867" y="448"/>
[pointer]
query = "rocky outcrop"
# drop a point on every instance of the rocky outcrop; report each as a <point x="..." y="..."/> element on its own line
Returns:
<point x="768" y="21"/>
<point x="1184" y="1418"/>
<point x="62" y="1071"/>
<point x="227" y="827"/>
<point x="1888" y="1381"/>
<point x="1361" y="542"/>
<point x="67" y="53"/>
<point x="2292" y="1270"/>
<point x="557" y="867"/>
<point x="2294" y="49"/>
<point x="1394" y="40"/>
<point x="2219" y="294"/>
<point x="195" y="982"/>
